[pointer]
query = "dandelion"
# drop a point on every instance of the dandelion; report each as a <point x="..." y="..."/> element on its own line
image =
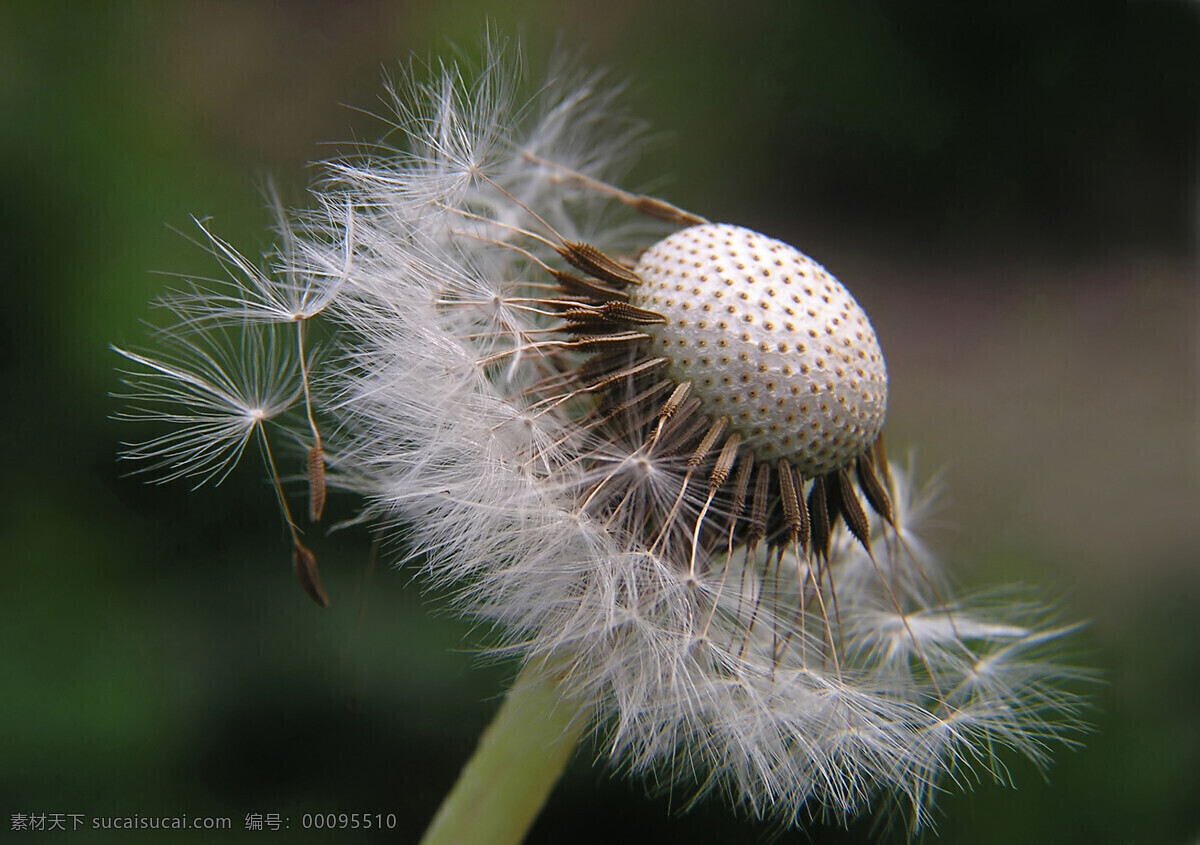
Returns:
<point x="645" y="446"/>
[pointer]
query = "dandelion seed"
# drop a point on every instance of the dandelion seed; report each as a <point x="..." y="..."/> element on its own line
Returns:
<point x="316" y="482"/>
<point x="647" y="447"/>
<point x="305" y="564"/>
<point x="221" y="377"/>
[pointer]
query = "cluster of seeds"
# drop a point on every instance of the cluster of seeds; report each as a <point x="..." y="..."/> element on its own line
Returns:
<point x="743" y="363"/>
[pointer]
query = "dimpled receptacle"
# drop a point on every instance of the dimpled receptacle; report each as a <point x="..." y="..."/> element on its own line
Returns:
<point x="770" y="339"/>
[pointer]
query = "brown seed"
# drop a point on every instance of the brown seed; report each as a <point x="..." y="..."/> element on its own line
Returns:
<point x="305" y="564"/>
<point x="316" y="482"/>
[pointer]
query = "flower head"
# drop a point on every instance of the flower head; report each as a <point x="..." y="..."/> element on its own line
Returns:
<point x="647" y="447"/>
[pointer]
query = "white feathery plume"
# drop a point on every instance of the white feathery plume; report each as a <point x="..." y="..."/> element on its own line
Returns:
<point x="214" y="389"/>
<point x="577" y="445"/>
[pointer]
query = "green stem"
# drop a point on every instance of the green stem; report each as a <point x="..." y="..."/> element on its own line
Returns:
<point x="519" y="758"/>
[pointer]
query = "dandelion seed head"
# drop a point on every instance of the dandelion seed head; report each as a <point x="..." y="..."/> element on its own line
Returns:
<point x="651" y="473"/>
<point x="662" y="476"/>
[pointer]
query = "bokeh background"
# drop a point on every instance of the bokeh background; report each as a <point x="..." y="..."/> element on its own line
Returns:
<point x="1009" y="189"/>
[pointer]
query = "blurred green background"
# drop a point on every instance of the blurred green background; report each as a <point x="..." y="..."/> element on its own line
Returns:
<point x="1009" y="189"/>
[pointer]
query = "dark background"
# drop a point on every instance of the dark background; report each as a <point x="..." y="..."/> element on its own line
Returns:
<point x="1009" y="189"/>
